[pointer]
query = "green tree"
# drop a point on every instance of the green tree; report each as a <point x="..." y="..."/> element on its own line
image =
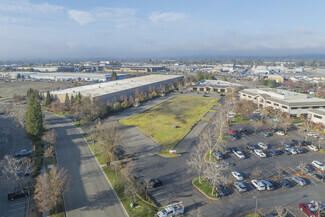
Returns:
<point x="67" y="101"/>
<point x="117" y="106"/>
<point x="224" y="79"/>
<point x="271" y="83"/>
<point x="34" y="117"/>
<point x="48" y="98"/>
<point x="114" y="76"/>
<point x="265" y="82"/>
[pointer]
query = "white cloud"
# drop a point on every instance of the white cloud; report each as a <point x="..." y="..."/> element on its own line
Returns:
<point x="166" y="16"/>
<point x="81" y="17"/>
<point x="25" y="6"/>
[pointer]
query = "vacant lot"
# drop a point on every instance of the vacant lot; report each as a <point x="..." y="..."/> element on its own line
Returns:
<point x="182" y="111"/>
<point x="8" y="89"/>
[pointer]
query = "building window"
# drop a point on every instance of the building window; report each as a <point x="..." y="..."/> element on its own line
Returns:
<point x="315" y="107"/>
<point x="276" y="104"/>
<point x="268" y="102"/>
<point x="249" y="97"/>
<point x="305" y="107"/>
<point x="285" y="107"/>
<point x="222" y="90"/>
<point x="317" y="116"/>
<point x="294" y="108"/>
<point x="244" y="94"/>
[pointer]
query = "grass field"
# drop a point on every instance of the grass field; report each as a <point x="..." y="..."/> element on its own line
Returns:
<point x="205" y="187"/>
<point x="182" y="111"/>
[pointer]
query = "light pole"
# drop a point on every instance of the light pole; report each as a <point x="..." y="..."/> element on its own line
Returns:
<point x="256" y="197"/>
<point x="92" y="139"/>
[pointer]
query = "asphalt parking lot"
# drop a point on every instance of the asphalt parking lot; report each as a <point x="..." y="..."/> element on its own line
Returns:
<point x="12" y="140"/>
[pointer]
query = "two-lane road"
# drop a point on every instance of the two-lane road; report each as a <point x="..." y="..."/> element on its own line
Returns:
<point x="90" y="193"/>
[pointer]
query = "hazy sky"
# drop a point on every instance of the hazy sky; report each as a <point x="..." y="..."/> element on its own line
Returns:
<point x="168" y="28"/>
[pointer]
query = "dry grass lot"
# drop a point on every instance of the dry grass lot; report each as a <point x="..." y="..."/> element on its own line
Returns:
<point x="8" y="89"/>
<point x="182" y="111"/>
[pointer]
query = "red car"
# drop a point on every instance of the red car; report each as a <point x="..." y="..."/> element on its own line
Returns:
<point x="233" y="132"/>
<point x="308" y="209"/>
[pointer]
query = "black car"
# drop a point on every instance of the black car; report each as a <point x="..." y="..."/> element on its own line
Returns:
<point x="305" y="143"/>
<point x="229" y="150"/>
<point x="265" y="134"/>
<point x="306" y="168"/>
<point x="283" y="183"/>
<point x="222" y="190"/>
<point x="273" y="130"/>
<point x="18" y="194"/>
<point x="272" y="152"/>
<point x="319" y="176"/>
<point x="295" y="142"/>
<point x="156" y="183"/>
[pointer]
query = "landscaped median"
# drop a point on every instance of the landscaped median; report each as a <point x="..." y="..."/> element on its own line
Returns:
<point x="143" y="208"/>
<point x="208" y="159"/>
<point x="169" y="122"/>
<point x="205" y="188"/>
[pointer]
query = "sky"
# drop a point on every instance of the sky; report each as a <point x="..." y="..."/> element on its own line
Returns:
<point x="35" y="29"/>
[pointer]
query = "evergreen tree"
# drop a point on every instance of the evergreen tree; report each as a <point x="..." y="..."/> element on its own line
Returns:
<point x="114" y="76"/>
<point x="67" y="101"/>
<point x="29" y="93"/>
<point x="48" y="98"/>
<point x="34" y="117"/>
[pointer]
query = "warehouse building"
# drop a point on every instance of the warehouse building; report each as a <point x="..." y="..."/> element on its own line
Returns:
<point x="317" y="115"/>
<point x="295" y="104"/>
<point x="113" y="90"/>
<point x="214" y="86"/>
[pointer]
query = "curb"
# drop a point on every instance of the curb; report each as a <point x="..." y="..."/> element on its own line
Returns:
<point x="204" y="193"/>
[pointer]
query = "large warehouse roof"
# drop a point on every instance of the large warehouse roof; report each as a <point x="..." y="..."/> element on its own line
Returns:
<point x="95" y="90"/>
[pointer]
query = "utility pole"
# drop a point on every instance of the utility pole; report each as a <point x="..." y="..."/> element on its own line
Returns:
<point x="92" y="138"/>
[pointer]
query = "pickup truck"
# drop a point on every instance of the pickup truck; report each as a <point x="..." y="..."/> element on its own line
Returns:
<point x="23" y="152"/>
<point x="172" y="210"/>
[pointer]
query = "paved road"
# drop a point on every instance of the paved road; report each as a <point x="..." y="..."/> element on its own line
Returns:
<point x="90" y="194"/>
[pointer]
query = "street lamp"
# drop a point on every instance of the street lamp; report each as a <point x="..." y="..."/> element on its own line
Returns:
<point x="256" y="197"/>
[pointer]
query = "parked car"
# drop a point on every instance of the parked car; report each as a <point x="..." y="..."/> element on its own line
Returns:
<point x="258" y="185"/>
<point x="22" y="173"/>
<point x="298" y="150"/>
<point x="272" y="152"/>
<point x="307" y="209"/>
<point x="318" y="165"/>
<point x="222" y="190"/>
<point x="217" y="155"/>
<point x="260" y="153"/>
<point x="283" y="183"/>
<point x="250" y="147"/>
<point x="156" y="183"/>
<point x="280" y="133"/>
<point x="237" y="175"/>
<point x="306" y="168"/>
<point x="319" y="176"/>
<point x="233" y="132"/>
<point x="286" y="151"/>
<point x="292" y="151"/>
<point x="18" y="194"/>
<point x="286" y="145"/>
<point x="273" y="130"/>
<point x="23" y="152"/>
<point x="262" y="145"/>
<point x="312" y="147"/>
<point x="305" y="143"/>
<point x="240" y="186"/>
<point x="223" y="164"/>
<point x="229" y="150"/>
<point x="295" y="142"/>
<point x="265" y="134"/>
<point x="234" y="136"/>
<point x="313" y="134"/>
<point x="268" y="185"/>
<point x="239" y="154"/>
<point x="299" y="180"/>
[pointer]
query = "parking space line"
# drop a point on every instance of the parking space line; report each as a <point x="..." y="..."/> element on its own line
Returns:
<point x="291" y="212"/>
<point x="15" y="204"/>
<point x="16" y="209"/>
<point x="158" y="193"/>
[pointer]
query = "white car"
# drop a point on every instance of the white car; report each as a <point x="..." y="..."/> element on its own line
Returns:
<point x="237" y="175"/>
<point x="258" y="185"/>
<point x="280" y="133"/>
<point x="292" y="150"/>
<point x="312" y="147"/>
<point x="259" y="153"/>
<point x="318" y="165"/>
<point x="262" y="145"/>
<point x="239" y="154"/>
<point x="312" y="134"/>
<point x="240" y="186"/>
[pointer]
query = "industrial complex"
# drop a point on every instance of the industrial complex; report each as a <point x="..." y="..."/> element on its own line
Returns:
<point x="214" y="86"/>
<point x="295" y="104"/>
<point x="113" y="90"/>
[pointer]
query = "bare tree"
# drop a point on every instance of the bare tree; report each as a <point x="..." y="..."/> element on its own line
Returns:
<point x="281" y="211"/>
<point x="207" y="140"/>
<point x="108" y="136"/>
<point x="280" y="169"/>
<point x="215" y="174"/>
<point x="14" y="170"/>
<point x="50" y="187"/>
<point x="307" y="125"/>
<point x="50" y="137"/>
<point x="221" y="120"/>
<point x="49" y="152"/>
<point x="130" y="187"/>
<point x="256" y="174"/>
<point x="146" y="185"/>
<point x="196" y="162"/>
